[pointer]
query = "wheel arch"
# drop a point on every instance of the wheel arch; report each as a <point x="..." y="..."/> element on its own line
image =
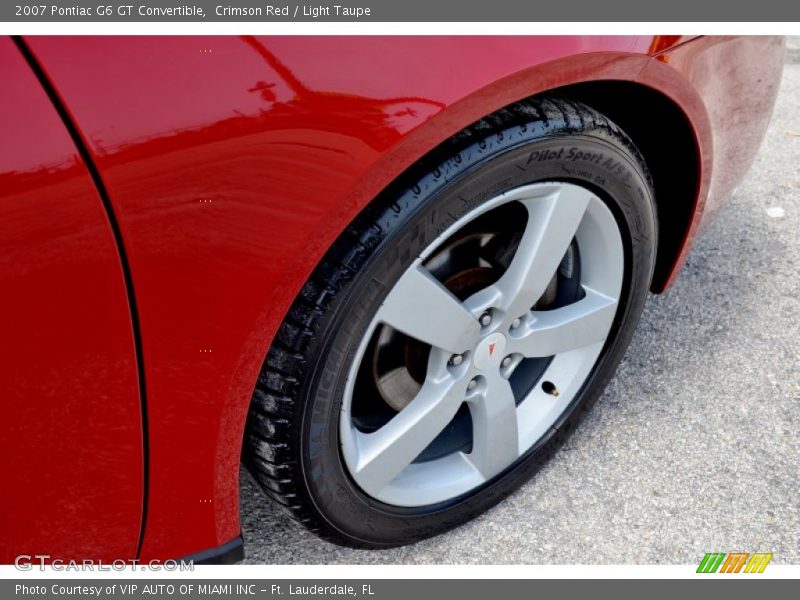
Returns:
<point x="666" y="138"/>
<point x="652" y="103"/>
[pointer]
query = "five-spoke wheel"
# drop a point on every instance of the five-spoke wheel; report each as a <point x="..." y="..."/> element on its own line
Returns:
<point x="476" y="346"/>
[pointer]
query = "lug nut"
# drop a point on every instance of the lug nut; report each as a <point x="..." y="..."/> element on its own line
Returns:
<point x="516" y="323"/>
<point x="506" y="361"/>
<point x="456" y="359"/>
<point x="486" y="318"/>
<point x="472" y="384"/>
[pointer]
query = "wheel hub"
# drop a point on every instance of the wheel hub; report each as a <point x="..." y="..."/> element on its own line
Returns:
<point x="489" y="353"/>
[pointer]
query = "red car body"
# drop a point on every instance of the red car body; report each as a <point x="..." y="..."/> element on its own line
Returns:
<point x="163" y="200"/>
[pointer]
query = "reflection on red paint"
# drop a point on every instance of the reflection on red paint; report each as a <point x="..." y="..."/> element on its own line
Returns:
<point x="71" y="454"/>
<point x="661" y="43"/>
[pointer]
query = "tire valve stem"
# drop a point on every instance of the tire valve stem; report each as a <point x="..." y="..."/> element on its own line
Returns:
<point x="548" y="387"/>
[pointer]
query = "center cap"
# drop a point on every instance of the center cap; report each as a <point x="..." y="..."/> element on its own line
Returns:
<point x="490" y="351"/>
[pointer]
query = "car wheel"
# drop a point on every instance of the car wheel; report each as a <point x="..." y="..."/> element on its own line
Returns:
<point x="455" y="334"/>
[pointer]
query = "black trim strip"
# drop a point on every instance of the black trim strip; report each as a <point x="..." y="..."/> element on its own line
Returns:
<point x="227" y="554"/>
<point x="83" y="150"/>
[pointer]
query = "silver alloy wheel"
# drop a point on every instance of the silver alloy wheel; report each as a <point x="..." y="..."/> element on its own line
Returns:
<point x="471" y="363"/>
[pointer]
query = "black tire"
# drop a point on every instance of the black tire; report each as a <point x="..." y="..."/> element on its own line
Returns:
<point x="291" y="444"/>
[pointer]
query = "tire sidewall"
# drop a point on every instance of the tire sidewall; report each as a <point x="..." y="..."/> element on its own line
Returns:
<point x="484" y="170"/>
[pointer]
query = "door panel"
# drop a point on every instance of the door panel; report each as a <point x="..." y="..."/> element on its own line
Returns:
<point x="70" y="427"/>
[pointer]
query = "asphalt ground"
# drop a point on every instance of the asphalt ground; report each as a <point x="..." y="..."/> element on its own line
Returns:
<point x="695" y="445"/>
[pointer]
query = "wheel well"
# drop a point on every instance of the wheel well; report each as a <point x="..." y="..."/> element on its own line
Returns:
<point x="666" y="139"/>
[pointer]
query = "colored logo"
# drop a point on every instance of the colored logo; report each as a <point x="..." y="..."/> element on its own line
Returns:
<point x="735" y="562"/>
<point x="489" y="352"/>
